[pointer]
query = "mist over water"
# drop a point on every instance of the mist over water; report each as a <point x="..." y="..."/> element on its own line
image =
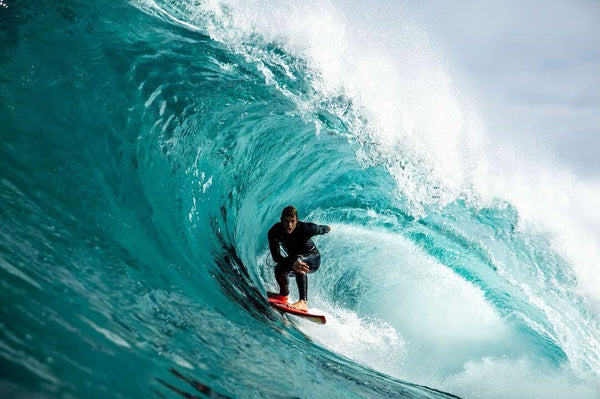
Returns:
<point x="143" y="166"/>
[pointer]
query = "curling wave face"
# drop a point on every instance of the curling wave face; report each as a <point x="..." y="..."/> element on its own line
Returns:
<point x="142" y="168"/>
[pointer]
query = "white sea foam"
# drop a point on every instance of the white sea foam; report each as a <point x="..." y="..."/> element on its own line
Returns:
<point x="369" y="341"/>
<point x="443" y="320"/>
<point x="520" y="378"/>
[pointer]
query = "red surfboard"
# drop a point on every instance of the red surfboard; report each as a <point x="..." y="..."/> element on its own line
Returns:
<point x="315" y="318"/>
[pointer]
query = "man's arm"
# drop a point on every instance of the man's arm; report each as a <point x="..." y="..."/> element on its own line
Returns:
<point x="275" y="248"/>
<point x="316" y="230"/>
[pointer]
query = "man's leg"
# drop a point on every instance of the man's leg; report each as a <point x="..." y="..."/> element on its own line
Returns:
<point x="313" y="261"/>
<point x="282" y="270"/>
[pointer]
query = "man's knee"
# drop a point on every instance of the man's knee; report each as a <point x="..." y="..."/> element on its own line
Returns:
<point x="313" y="262"/>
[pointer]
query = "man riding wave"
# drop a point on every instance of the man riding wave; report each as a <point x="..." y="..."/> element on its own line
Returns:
<point x="302" y="254"/>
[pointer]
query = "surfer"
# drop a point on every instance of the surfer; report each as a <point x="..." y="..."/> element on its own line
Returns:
<point x="302" y="254"/>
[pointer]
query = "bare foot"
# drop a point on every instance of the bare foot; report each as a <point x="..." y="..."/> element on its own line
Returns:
<point x="300" y="305"/>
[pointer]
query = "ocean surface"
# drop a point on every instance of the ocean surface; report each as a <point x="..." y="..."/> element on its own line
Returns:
<point x="146" y="148"/>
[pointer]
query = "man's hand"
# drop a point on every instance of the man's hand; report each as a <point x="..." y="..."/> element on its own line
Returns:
<point x="301" y="267"/>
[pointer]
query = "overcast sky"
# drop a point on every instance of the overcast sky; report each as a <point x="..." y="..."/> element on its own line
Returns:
<point x="534" y="65"/>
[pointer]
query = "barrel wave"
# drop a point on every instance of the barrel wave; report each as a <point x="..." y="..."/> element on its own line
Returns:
<point x="148" y="146"/>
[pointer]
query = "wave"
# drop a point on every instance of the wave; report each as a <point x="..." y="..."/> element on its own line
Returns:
<point x="144" y="166"/>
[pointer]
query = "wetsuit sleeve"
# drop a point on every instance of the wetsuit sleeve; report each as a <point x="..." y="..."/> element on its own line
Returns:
<point x="274" y="247"/>
<point x="316" y="230"/>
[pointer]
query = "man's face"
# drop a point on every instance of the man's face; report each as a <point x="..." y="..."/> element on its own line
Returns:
<point x="289" y="224"/>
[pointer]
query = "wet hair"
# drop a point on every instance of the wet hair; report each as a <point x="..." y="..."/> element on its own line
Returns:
<point x="289" y="211"/>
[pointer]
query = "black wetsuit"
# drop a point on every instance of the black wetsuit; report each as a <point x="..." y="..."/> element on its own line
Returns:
<point x="299" y="247"/>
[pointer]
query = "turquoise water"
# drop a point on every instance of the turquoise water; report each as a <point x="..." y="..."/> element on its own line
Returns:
<point x="146" y="149"/>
